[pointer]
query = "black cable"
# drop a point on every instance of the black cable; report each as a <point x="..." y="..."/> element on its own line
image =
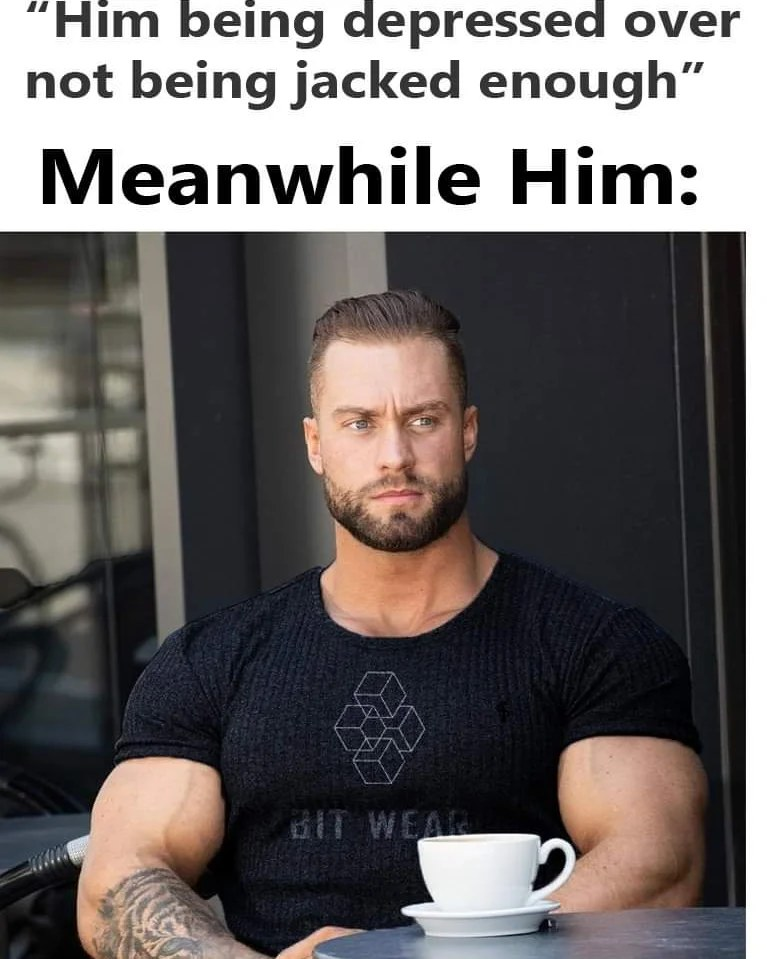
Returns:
<point x="52" y="867"/>
<point x="61" y="864"/>
<point x="92" y="570"/>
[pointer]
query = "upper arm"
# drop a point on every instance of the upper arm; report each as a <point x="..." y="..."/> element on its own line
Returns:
<point x="153" y="812"/>
<point x="634" y="786"/>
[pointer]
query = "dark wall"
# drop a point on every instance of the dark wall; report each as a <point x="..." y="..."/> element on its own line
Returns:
<point x="586" y="360"/>
<point x="213" y="415"/>
<point x="574" y="380"/>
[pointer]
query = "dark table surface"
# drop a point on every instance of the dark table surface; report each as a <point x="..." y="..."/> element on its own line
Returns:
<point x="23" y="836"/>
<point x="631" y="934"/>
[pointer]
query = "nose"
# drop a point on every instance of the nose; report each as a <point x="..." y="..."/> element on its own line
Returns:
<point x="395" y="449"/>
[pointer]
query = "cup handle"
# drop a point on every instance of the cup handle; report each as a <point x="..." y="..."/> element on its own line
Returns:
<point x="543" y="855"/>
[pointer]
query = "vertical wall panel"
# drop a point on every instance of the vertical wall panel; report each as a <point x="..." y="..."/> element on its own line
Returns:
<point x="211" y="383"/>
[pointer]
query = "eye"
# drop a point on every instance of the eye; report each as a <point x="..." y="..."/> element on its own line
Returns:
<point x="358" y="426"/>
<point x="425" y="422"/>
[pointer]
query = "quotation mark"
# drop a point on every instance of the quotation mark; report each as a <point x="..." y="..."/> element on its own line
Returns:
<point x="36" y="7"/>
<point x="695" y="67"/>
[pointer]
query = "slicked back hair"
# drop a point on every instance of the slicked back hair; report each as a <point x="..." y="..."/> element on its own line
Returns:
<point x="392" y="316"/>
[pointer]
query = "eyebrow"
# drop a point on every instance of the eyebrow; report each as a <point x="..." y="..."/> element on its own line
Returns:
<point x="436" y="405"/>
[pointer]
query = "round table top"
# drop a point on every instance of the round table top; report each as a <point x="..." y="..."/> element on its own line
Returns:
<point x="631" y="934"/>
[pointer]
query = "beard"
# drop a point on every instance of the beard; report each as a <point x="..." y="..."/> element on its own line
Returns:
<point x="400" y="532"/>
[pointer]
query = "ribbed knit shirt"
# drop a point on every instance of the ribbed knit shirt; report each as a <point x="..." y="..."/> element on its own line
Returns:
<point x="338" y="751"/>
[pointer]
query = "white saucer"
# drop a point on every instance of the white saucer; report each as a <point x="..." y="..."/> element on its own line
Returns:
<point x="496" y="922"/>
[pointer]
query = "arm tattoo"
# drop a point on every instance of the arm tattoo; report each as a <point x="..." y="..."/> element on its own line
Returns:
<point x="152" y="914"/>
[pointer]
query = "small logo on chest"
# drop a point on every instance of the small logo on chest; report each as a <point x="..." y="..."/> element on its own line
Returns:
<point x="379" y="728"/>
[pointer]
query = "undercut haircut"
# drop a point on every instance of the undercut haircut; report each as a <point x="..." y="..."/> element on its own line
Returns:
<point x="393" y="316"/>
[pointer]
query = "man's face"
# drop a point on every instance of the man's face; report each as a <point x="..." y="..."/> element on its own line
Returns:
<point x="391" y="441"/>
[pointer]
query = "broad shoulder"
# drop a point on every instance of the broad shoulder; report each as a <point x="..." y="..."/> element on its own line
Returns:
<point x="552" y="595"/>
<point x="248" y="622"/>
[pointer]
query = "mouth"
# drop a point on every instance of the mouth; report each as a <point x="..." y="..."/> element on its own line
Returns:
<point x="398" y="495"/>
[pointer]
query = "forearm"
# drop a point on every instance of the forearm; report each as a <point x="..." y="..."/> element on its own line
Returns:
<point x="153" y="914"/>
<point x="624" y="872"/>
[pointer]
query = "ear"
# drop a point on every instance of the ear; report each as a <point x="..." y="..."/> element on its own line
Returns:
<point x="312" y="440"/>
<point x="470" y="431"/>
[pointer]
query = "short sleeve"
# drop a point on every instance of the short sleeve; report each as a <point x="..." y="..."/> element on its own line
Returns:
<point x="630" y="678"/>
<point x="169" y="712"/>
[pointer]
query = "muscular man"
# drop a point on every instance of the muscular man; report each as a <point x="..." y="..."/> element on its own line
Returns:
<point x="300" y="742"/>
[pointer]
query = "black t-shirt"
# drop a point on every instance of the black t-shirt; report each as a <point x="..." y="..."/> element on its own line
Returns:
<point x="338" y="751"/>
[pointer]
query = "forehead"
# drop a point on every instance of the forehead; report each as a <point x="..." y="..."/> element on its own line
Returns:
<point x="373" y="373"/>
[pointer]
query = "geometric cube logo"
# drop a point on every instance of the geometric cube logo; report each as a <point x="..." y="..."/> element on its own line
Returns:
<point x="379" y="728"/>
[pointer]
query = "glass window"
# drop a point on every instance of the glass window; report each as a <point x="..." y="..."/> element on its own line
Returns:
<point x="74" y="502"/>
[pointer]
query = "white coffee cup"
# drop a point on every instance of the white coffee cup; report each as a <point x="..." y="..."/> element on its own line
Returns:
<point x="488" y="871"/>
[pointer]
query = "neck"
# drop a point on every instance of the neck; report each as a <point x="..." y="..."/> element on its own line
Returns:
<point x="402" y="594"/>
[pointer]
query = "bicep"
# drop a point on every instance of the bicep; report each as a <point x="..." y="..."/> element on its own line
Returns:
<point x="617" y="785"/>
<point x="154" y="811"/>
